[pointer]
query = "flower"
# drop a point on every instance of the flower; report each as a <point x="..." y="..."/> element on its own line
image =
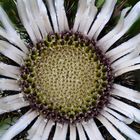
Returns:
<point x="65" y="78"/>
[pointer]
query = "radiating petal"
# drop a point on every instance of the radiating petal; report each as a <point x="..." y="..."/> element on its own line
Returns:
<point x="92" y="130"/>
<point x="12" y="98"/>
<point x="9" y="32"/>
<point x="122" y="111"/>
<point x="24" y="19"/>
<point x="131" y="18"/>
<point x="53" y="15"/>
<point x="32" y="131"/>
<point x="29" y="18"/>
<point x="123" y="55"/>
<point x="87" y="17"/>
<point x="60" y="132"/>
<point x="39" y="129"/>
<point x="127" y="61"/>
<point x="122" y="127"/>
<point x="47" y="130"/>
<point x="118" y="64"/>
<point x="28" y="21"/>
<point x="128" y="45"/>
<point x="40" y="16"/>
<point x="102" y="18"/>
<point x="8" y="84"/>
<point x="128" y="69"/>
<point x="126" y="93"/>
<point x="72" y="132"/>
<point x="9" y="70"/>
<point x="115" y="31"/>
<point x="12" y="103"/>
<point x="134" y="113"/>
<point x="61" y="15"/>
<point x="20" y="125"/>
<point x="12" y="52"/>
<point x="44" y="16"/>
<point x="111" y="129"/>
<point x="79" y="15"/>
<point x="118" y="116"/>
<point x="81" y="132"/>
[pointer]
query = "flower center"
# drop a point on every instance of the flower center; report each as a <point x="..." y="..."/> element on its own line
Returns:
<point x="66" y="78"/>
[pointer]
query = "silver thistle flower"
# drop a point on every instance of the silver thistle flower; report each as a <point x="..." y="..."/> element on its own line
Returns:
<point x="66" y="76"/>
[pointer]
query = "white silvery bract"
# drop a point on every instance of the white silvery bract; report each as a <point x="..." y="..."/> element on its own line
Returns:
<point x="116" y="116"/>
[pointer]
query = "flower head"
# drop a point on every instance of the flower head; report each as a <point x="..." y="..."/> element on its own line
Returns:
<point x="65" y="78"/>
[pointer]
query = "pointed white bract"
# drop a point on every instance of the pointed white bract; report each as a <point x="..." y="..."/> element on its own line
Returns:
<point x="38" y="16"/>
<point x="92" y="130"/>
<point x="9" y="71"/>
<point x="113" y="32"/>
<point x="81" y="132"/>
<point x="20" y="125"/>
<point x="102" y="19"/>
<point x="118" y="116"/>
<point x="133" y="112"/>
<point x="122" y="111"/>
<point x="9" y="32"/>
<point x="122" y="56"/>
<point x="130" y="19"/>
<point x="111" y="129"/>
<point x="122" y="127"/>
<point x="27" y="19"/>
<point x="12" y="52"/>
<point x="79" y="15"/>
<point x="72" y="132"/>
<point x="8" y="84"/>
<point x="53" y="15"/>
<point x="126" y="64"/>
<point x="87" y="17"/>
<point x="128" y="58"/>
<point x="47" y="129"/>
<point x="125" y="60"/>
<point x="126" y="93"/>
<point x="13" y="98"/>
<point x="60" y="131"/>
<point x="128" y="69"/>
<point x="12" y="103"/>
<point x="39" y="130"/>
<point x="130" y="45"/>
<point x="32" y="131"/>
<point x="44" y="16"/>
<point x="61" y="15"/>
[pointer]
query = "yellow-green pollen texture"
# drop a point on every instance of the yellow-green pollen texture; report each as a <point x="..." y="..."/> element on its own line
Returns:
<point x="64" y="76"/>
